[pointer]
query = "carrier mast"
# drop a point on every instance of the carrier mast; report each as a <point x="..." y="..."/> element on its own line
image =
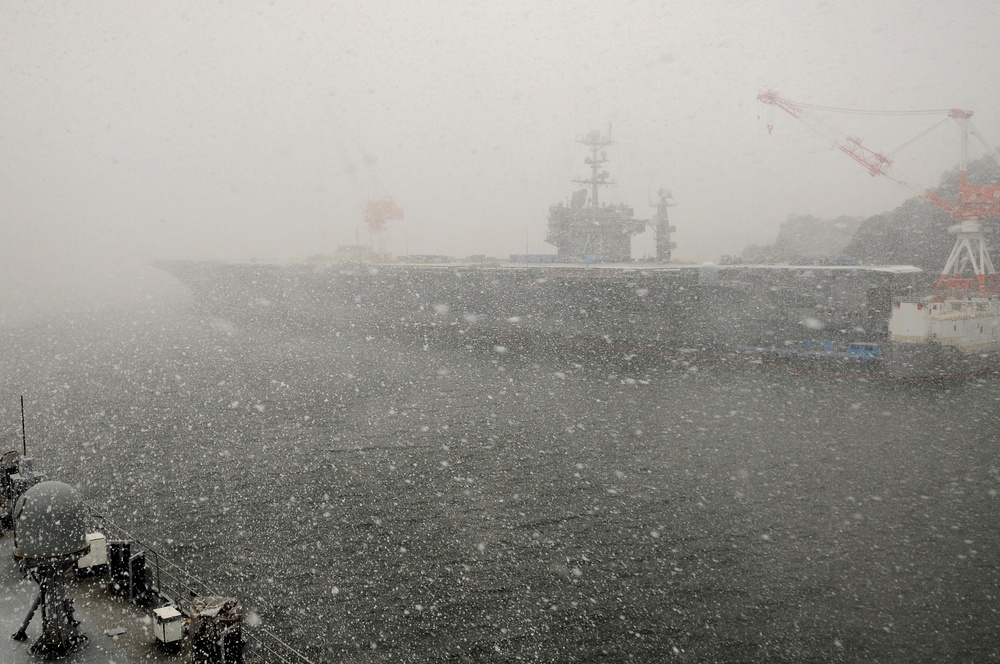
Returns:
<point x="588" y="230"/>
<point x="598" y="178"/>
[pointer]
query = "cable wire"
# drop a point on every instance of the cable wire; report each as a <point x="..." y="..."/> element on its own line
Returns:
<point x="920" y="135"/>
<point x="858" y="111"/>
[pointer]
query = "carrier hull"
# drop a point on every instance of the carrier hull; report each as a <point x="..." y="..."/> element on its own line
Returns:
<point x="635" y="307"/>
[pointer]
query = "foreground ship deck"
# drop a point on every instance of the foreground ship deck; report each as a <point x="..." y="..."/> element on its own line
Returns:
<point x="97" y="612"/>
<point x="116" y="630"/>
<point x="124" y="602"/>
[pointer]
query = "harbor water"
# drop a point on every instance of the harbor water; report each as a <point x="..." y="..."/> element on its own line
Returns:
<point x="442" y="497"/>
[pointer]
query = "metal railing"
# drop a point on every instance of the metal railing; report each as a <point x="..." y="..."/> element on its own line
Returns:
<point x="172" y="584"/>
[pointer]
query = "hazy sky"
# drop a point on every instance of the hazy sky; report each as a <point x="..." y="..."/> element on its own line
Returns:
<point x="139" y="130"/>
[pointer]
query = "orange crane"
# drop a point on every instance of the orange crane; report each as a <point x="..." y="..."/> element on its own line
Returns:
<point x="377" y="208"/>
<point x="380" y="210"/>
<point x="974" y="201"/>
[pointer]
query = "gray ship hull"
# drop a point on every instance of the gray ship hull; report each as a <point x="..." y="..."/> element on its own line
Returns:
<point x="649" y="307"/>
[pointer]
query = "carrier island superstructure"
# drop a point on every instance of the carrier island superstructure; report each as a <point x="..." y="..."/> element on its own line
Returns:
<point x="588" y="230"/>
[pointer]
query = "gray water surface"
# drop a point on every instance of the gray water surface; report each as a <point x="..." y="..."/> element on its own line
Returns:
<point x="409" y="499"/>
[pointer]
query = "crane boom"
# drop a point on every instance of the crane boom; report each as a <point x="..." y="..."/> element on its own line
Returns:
<point x="974" y="201"/>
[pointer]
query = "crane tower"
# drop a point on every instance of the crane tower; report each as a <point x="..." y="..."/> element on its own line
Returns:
<point x="378" y="209"/>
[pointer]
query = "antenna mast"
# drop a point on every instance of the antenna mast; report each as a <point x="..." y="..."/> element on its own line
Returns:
<point x="598" y="157"/>
<point x="24" y="437"/>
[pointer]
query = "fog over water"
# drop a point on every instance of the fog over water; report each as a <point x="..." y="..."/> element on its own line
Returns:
<point x="239" y="129"/>
<point x="423" y="489"/>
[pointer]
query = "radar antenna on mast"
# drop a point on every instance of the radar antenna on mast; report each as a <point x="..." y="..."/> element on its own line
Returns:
<point x="598" y="157"/>
<point x="662" y="228"/>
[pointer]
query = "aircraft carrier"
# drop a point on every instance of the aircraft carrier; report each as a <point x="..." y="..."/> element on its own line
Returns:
<point x="829" y="314"/>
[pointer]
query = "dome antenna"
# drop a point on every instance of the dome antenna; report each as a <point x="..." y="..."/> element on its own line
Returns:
<point x="49" y="526"/>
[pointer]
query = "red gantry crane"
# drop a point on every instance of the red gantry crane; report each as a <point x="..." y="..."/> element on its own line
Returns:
<point x="378" y="210"/>
<point x="969" y="270"/>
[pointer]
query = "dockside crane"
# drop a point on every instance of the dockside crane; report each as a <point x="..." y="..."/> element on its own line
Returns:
<point x="378" y="209"/>
<point x="970" y="254"/>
